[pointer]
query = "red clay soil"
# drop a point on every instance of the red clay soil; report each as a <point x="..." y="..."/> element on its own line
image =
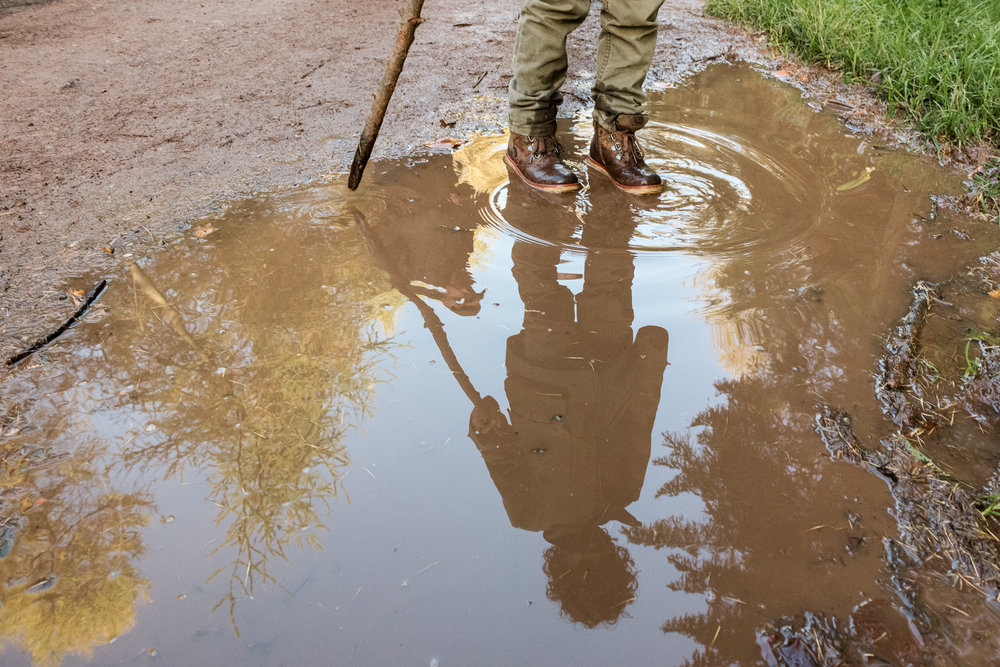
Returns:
<point x="120" y="121"/>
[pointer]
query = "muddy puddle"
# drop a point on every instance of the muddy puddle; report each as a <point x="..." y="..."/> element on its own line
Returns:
<point x="449" y="421"/>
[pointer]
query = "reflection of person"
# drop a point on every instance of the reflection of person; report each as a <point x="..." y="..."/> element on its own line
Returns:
<point x="435" y="257"/>
<point x="624" y="52"/>
<point x="583" y="397"/>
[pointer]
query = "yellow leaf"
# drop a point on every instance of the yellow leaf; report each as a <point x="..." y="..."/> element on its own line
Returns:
<point x="860" y="180"/>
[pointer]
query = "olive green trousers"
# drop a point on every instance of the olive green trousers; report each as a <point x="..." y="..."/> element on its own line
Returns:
<point x="624" y="51"/>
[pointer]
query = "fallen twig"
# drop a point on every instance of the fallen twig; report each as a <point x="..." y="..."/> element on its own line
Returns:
<point x="313" y="69"/>
<point x="95" y="292"/>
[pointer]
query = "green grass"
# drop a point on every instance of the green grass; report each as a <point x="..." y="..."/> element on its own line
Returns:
<point x="986" y="185"/>
<point x="973" y="364"/>
<point x="936" y="62"/>
<point x="991" y="505"/>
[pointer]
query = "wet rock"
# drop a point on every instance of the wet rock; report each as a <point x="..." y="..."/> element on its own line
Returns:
<point x="876" y="634"/>
<point x="884" y="635"/>
<point x="806" y="641"/>
<point x="898" y="367"/>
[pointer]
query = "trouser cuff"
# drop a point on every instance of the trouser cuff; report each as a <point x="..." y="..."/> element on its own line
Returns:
<point x="532" y="122"/>
<point x="543" y="129"/>
<point x="620" y="122"/>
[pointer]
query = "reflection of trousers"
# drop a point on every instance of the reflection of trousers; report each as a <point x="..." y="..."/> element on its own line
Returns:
<point x="624" y="51"/>
<point x="583" y="395"/>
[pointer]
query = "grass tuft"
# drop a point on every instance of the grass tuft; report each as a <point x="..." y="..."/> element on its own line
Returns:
<point x="986" y="190"/>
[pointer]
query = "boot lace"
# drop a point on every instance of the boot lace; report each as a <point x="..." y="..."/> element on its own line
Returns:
<point x="625" y="143"/>
<point x="544" y="146"/>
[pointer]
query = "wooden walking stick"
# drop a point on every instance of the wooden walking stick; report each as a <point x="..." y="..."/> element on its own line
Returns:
<point x="411" y="19"/>
<point x="431" y="320"/>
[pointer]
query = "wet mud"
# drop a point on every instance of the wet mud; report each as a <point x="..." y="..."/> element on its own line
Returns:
<point x="938" y="382"/>
<point x="450" y="420"/>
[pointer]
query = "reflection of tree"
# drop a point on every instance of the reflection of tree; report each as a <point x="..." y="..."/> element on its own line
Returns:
<point x="776" y="536"/>
<point x="245" y="373"/>
<point x="795" y="310"/>
<point x="287" y="326"/>
<point x="712" y="555"/>
<point x="69" y="580"/>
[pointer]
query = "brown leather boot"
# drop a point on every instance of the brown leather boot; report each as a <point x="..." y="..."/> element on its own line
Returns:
<point x="536" y="161"/>
<point x="618" y="156"/>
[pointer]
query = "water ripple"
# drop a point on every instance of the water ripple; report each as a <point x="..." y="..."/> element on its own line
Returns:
<point x="723" y="193"/>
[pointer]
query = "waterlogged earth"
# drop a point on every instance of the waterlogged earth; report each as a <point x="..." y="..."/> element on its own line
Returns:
<point x="447" y="420"/>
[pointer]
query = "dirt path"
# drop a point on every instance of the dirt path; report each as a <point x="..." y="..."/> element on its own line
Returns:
<point x="123" y="120"/>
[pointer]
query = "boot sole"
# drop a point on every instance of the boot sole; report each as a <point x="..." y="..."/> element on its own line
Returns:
<point x="562" y="187"/>
<point x="631" y="189"/>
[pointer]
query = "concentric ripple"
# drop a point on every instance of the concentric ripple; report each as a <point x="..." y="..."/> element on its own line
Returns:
<point x="734" y="180"/>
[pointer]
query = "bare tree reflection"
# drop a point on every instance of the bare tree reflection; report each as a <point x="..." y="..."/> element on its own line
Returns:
<point x="286" y="365"/>
<point x="68" y="546"/>
<point x="779" y="532"/>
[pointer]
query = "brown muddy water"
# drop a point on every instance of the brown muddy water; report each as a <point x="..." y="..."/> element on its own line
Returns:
<point x="479" y="425"/>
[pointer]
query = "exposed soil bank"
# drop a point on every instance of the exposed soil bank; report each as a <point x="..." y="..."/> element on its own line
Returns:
<point x="939" y="382"/>
<point x="124" y="120"/>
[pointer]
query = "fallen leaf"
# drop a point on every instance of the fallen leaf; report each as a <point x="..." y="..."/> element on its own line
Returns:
<point x="782" y="73"/>
<point x="41" y="501"/>
<point x="860" y="180"/>
<point x="995" y="294"/>
<point x="42" y="585"/>
<point x="204" y="231"/>
<point x="96" y="313"/>
<point x="75" y="296"/>
<point x="447" y="143"/>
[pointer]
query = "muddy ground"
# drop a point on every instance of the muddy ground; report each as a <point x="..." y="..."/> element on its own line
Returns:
<point x="124" y="120"/>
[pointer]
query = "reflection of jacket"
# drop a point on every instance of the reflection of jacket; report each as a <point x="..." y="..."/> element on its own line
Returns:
<point x="425" y="250"/>
<point x="581" y="413"/>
